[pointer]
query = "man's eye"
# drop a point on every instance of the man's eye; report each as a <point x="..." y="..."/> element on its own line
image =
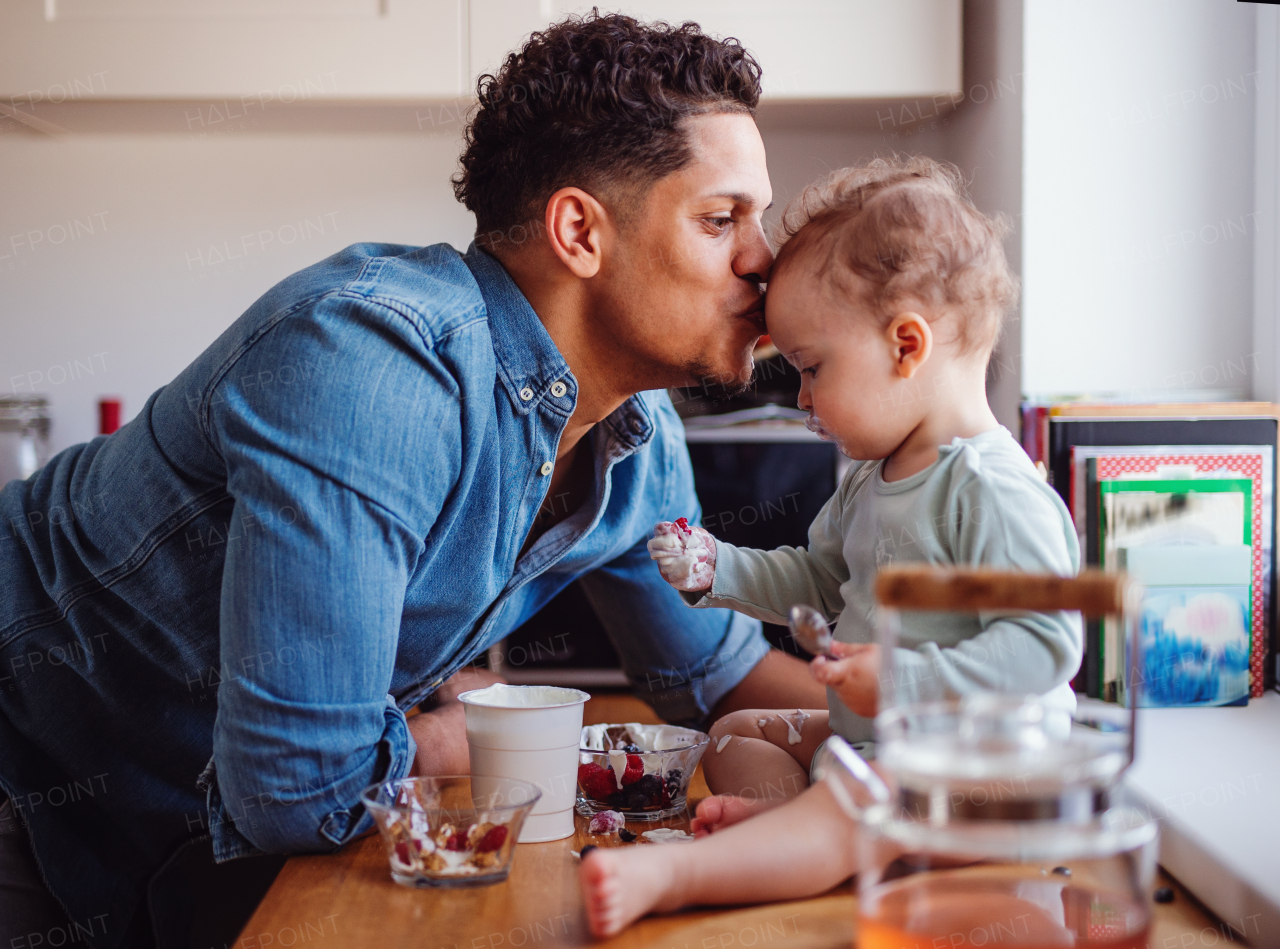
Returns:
<point x="719" y="223"/>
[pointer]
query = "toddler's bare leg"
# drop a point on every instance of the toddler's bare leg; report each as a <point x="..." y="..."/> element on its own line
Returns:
<point x="799" y="849"/>
<point x="754" y="764"/>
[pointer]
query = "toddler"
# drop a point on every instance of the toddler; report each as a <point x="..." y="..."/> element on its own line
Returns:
<point x="887" y="295"/>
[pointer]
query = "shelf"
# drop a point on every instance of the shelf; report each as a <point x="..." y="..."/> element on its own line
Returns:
<point x="1211" y="776"/>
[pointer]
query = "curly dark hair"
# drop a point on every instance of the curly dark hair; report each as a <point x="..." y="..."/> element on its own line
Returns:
<point x="594" y="102"/>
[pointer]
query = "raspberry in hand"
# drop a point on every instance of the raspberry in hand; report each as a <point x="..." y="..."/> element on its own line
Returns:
<point x="685" y="555"/>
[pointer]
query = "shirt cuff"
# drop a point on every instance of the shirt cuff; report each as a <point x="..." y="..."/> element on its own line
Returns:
<point x="334" y="826"/>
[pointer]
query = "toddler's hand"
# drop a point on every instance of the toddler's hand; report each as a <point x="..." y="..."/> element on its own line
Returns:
<point x="685" y="555"/>
<point x="854" y="675"/>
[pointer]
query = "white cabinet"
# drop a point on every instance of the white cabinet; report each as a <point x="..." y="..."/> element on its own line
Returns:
<point x="271" y="51"/>
<point x="265" y="51"/>
<point x="809" y="49"/>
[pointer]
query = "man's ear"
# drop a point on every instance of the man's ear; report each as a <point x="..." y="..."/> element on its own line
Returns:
<point x="912" y="341"/>
<point x="577" y="227"/>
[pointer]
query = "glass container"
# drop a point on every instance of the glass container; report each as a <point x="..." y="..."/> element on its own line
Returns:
<point x="642" y="771"/>
<point x="994" y="819"/>
<point x="24" y="436"/>
<point x="446" y="832"/>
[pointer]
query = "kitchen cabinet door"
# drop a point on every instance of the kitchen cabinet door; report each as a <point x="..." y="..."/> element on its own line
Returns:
<point x="261" y="50"/>
<point x="810" y="49"/>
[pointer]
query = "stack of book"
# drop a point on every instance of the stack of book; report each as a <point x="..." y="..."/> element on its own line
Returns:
<point x="1183" y="497"/>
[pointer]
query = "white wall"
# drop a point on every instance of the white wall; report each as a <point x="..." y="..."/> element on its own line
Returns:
<point x="1138" y="207"/>
<point x="121" y="310"/>
<point x="171" y="195"/>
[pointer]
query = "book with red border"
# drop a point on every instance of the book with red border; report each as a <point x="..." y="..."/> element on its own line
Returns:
<point x="1250" y="463"/>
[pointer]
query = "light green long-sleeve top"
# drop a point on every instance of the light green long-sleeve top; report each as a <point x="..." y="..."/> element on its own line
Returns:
<point x="980" y="504"/>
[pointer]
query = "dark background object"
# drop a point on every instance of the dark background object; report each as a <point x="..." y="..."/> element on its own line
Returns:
<point x="774" y="382"/>
<point x="754" y="494"/>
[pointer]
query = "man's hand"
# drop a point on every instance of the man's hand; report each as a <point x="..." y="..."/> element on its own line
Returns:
<point x="441" y="734"/>
<point x="854" y="675"/>
<point x="686" y="556"/>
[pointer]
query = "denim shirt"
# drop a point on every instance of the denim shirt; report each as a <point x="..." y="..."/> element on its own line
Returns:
<point x="214" y="620"/>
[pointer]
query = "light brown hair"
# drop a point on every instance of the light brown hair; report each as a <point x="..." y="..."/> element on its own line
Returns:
<point x="907" y="227"/>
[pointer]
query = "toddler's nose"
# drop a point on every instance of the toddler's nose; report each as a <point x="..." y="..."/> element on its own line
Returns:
<point x="803" y="401"/>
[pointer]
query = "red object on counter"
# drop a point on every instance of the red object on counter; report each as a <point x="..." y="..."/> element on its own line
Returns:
<point x="108" y="416"/>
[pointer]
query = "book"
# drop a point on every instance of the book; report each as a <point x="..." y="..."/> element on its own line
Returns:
<point x="1153" y="512"/>
<point x="1076" y="429"/>
<point x="1193" y="630"/>
<point x="1251" y="462"/>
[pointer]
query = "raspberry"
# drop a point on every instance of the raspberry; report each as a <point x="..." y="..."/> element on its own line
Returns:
<point x="634" y="772"/>
<point x="457" y="841"/>
<point x="596" y="782"/>
<point x="493" y="839"/>
<point x="682" y="526"/>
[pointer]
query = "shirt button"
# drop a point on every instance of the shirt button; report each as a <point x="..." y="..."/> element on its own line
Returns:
<point x="526" y="393"/>
<point x="558" y="389"/>
<point x="547" y="468"/>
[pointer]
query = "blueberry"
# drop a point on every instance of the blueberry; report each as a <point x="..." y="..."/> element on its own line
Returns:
<point x="587" y="849"/>
<point x="646" y="792"/>
<point x="632" y="749"/>
<point x="1163" y="895"/>
<point x="1062" y="871"/>
<point x="626" y="836"/>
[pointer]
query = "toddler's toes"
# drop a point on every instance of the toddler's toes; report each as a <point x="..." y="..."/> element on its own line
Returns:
<point x="619" y="885"/>
<point x="707" y="816"/>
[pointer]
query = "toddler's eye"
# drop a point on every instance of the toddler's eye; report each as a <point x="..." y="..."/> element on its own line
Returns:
<point x="811" y="370"/>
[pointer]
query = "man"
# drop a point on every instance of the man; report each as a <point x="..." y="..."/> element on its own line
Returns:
<point x="222" y="613"/>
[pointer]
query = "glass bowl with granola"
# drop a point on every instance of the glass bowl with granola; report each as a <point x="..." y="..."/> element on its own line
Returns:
<point x="450" y="830"/>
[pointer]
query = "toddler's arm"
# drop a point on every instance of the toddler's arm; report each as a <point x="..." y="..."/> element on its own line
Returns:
<point x="1007" y="524"/>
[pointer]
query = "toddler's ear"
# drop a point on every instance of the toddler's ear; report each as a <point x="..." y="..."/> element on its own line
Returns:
<point x="912" y="341"/>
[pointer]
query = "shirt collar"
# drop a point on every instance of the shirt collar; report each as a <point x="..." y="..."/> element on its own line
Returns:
<point x="526" y="355"/>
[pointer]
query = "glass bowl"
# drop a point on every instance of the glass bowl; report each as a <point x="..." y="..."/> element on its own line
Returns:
<point x="450" y="830"/>
<point x="643" y="771"/>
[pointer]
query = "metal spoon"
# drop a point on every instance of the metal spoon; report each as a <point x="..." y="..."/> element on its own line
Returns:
<point x="810" y="630"/>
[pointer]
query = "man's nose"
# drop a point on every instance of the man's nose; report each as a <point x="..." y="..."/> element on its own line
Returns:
<point x="754" y="261"/>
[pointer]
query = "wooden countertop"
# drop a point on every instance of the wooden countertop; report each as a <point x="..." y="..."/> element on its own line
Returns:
<point x="348" y="899"/>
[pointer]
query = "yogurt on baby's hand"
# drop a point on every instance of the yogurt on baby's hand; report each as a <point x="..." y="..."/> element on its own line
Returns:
<point x="685" y="555"/>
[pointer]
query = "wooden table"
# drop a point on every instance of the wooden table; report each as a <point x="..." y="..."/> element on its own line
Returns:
<point x="348" y="899"/>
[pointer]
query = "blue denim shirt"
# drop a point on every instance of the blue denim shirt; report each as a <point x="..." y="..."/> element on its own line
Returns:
<point x="214" y="620"/>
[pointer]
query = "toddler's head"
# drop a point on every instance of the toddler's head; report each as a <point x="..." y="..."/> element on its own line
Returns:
<point x="888" y="294"/>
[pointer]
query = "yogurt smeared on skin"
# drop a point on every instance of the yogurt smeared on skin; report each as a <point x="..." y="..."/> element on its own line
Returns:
<point x="721" y="743"/>
<point x="793" y="728"/>
<point x="685" y="555"/>
<point x="815" y="425"/>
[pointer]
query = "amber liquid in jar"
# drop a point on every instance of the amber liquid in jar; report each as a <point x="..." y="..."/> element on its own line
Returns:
<point x="928" y="912"/>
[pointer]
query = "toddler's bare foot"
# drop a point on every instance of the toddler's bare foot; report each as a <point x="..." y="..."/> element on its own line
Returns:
<point x="619" y="885"/>
<point x="722" y="810"/>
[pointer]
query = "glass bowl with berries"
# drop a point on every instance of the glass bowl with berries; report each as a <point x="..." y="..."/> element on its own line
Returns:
<point x="450" y="830"/>
<point x="641" y="770"/>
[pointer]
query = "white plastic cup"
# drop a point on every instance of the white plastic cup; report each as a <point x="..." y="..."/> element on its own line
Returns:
<point x="528" y="732"/>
